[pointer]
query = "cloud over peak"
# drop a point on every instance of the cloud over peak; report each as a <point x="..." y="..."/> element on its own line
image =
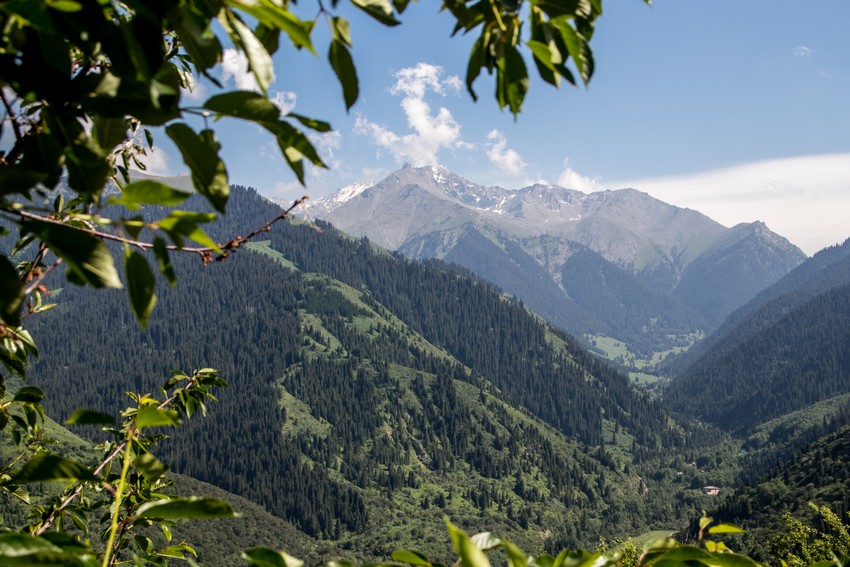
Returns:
<point x="503" y="157"/>
<point x="432" y="131"/>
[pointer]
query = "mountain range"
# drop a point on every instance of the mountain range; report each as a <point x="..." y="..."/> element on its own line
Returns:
<point x="618" y="264"/>
<point x="373" y="395"/>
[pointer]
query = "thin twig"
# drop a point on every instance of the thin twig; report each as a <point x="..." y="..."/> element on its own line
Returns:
<point x="203" y="251"/>
<point x="12" y="116"/>
<point x="37" y="281"/>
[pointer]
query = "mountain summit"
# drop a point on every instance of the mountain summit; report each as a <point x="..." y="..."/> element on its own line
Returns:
<point x="617" y="263"/>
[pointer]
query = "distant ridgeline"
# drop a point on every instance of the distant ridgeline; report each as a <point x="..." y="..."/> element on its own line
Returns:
<point x="371" y="395"/>
<point x="783" y="352"/>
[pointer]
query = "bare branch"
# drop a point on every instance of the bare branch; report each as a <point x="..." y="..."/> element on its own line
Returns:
<point x="12" y="116"/>
<point x="204" y="251"/>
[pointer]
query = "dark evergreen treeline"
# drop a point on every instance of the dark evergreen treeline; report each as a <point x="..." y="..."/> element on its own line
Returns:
<point x="825" y="271"/>
<point x="239" y="318"/>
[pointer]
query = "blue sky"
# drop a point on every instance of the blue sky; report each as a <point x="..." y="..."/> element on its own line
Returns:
<point x="738" y="109"/>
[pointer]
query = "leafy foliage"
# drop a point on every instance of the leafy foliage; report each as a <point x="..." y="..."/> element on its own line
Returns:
<point x="83" y="85"/>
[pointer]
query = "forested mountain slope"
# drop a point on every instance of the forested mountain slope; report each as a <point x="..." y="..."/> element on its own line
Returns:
<point x="372" y="395"/>
<point x="819" y="474"/>
<point x="788" y="351"/>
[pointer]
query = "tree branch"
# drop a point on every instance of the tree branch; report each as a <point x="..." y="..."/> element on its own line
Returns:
<point x="37" y="281"/>
<point x="204" y="251"/>
<point x="12" y="116"/>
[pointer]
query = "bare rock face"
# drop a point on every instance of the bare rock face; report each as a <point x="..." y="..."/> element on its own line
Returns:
<point x="701" y="269"/>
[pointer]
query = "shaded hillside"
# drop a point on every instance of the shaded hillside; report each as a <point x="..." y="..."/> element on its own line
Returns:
<point x="826" y="270"/>
<point x="734" y="270"/>
<point x="770" y="365"/>
<point x="368" y="390"/>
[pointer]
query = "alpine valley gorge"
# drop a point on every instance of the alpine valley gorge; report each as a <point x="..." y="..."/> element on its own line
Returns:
<point x="551" y="366"/>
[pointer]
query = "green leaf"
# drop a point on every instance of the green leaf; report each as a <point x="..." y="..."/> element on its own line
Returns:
<point x="200" y="154"/>
<point x="274" y="16"/>
<point x="89" y="417"/>
<point x="164" y="261"/>
<point x="569" y="8"/>
<point x="469" y="553"/>
<point x="311" y="123"/>
<point x="88" y="260"/>
<point x="29" y="394"/>
<point x="343" y="65"/>
<point x="578" y="49"/>
<point x="725" y="529"/>
<point x="65" y="5"/>
<point x="141" y="284"/>
<point x="294" y="146"/>
<point x="16" y="178"/>
<point x="512" y="80"/>
<point x="259" y="60"/>
<point x="46" y="467"/>
<point x="26" y="550"/>
<point x="149" y="192"/>
<point x="178" y="551"/>
<point x="266" y="557"/>
<point x="411" y="557"/>
<point x="186" y="508"/>
<point x="11" y="293"/>
<point x="108" y="132"/>
<point x="85" y="160"/>
<point x="247" y="105"/>
<point x="342" y="30"/>
<point x="380" y="10"/>
<point x="473" y="69"/>
<point x="197" y="38"/>
<point x="152" y="416"/>
<point x="185" y="223"/>
<point x="516" y="558"/>
<point x="150" y="467"/>
<point x="485" y="541"/>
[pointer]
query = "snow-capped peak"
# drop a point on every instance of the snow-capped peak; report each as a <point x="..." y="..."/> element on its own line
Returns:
<point x="349" y="192"/>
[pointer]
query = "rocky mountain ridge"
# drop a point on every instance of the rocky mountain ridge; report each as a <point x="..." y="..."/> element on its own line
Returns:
<point x="706" y="269"/>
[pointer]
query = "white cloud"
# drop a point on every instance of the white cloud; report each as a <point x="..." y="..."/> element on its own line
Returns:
<point x="805" y="199"/>
<point x="195" y="90"/>
<point x="501" y="156"/>
<point x="432" y="131"/>
<point x="234" y="66"/>
<point x="571" y="179"/>
<point x="156" y="163"/>
<point x="803" y="51"/>
<point x="326" y="142"/>
<point x="285" y="101"/>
